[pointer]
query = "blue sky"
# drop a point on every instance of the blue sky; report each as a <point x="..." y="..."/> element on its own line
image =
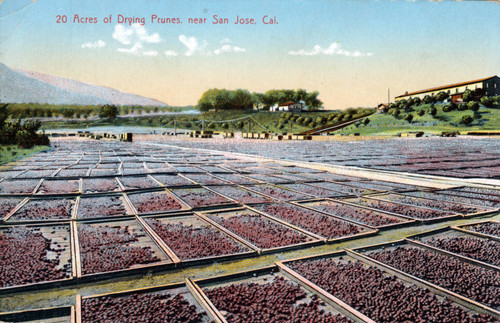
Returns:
<point x="350" y="51"/>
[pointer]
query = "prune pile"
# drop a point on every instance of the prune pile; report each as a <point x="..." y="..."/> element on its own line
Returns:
<point x="172" y="180"/>
<point x="480" y="249"/>
<point x="154" y="202"/>
<point x="137" y="182"/>
<point x="233" y="178"/>
<point x="240" y="195"/>
<point x="110" y="248"/>
<point x="315" y="222"/>
<point x="448" y="196"/>
<point x="477" y="283"/>
<point x="205" y="179"/>
<point x="409" y="211"/>
<point x="200" y="197"/>
<point x="44" y="210"/>
<point x="7" y="205"/>
<point x="345" y="189"/>
<point x="491" y="228"/>
<point x="101" y="185"/>
<point x="24" y="258"/>
<point x="382" y="298"/>
<point x="260" y="231"/>
<point x="494" y="192"/>
<point x="276" y="301"/>
<point x="452" y="207"/>
<point x="25" y="186"/>
<point x="140" y="308"/>
<point x="96" y="207"/>
<point x="59" y="187"/>
<point x="189" y="242"/>
<point x="355" y="213"/>
<point x="279" y="193"/>
<point x="312" y="190"/>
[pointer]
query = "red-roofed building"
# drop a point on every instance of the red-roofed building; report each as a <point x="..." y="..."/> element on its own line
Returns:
<point x="490" y="86"/>
<point x="288" y="106"/>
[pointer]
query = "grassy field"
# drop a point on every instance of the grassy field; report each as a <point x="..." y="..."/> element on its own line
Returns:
<point x="12" y="153"/>
<point x="385" y="124"/>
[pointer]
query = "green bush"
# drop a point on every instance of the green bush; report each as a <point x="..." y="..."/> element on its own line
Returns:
<point x="441" y="96"/>
<point x="467" y="120"/>
<point x="421" y="112"/>
<point x="409" y="118"/>
<point x="450" y="107"/>
<point x="432" y="110"/>
<point x="473" y="105"/>
<point x="321" y="120"/>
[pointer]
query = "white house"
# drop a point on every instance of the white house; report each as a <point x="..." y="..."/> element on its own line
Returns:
<point x="288" y="106"/>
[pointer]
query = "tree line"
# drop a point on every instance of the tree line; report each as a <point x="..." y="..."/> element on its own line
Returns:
<point x="23" y="134"/>
<point x="222" y="99"/>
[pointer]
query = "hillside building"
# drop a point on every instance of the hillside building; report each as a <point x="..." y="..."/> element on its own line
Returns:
<point x="288" y="106"/>
<point x="490" y="86"/>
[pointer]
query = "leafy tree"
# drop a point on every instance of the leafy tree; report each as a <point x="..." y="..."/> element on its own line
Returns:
<point x="462" y="106"/>
<point x="108" y="112"/>
<point x="421" y="112"/>
<point x="409" y="117"/>
<point x="467" y="96"/>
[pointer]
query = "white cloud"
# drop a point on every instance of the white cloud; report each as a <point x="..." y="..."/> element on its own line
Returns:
<point x="333" y="49"/>
<point x="150" y="53"/>
<point x="191" y="43"/>
<point x="229" y="49"/>
<point x="170" y="53"/>
<point x="95" y="44"/>
<point x="135" y="35"/>
<point x="226" y="41"/>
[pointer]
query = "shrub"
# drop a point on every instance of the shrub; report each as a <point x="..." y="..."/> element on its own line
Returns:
<point x="432" y="110"/>
<point x="108" y="111"/>
<point x="312" y="125"/>
<point x="467" y="120"/>
<point x="428" y="99"/>
<point x="421" y="112"/>
<point x="487" y="101"/>
<point x="441" y="96"/>
<point x="450" y="107"/>
<point x="409" y="118"/>
<point x="366" y="121"/>
<point x="462" y="106"/>
<point x="321" y="120"/>
<point x="473" y="105"/>
<point x="225" y="126"/>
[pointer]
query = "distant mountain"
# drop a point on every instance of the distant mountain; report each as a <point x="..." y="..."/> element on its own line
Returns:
<point x="32" y="87"/>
